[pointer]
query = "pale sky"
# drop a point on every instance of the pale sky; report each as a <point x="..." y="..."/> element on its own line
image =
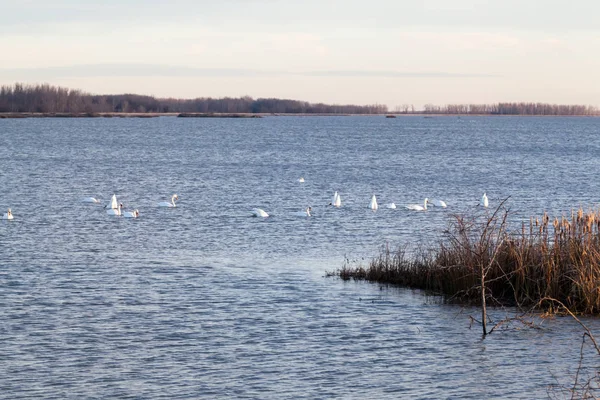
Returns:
<point x="389" y="52"/>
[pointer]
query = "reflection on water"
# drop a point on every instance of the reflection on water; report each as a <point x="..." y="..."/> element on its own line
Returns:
<point x="203" y="300"/>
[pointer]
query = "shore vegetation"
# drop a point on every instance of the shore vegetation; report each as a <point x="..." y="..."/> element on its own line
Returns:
<point x="481" y="260"/>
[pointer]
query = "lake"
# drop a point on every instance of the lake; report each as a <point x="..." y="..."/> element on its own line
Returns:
<point x="205" y="301"/>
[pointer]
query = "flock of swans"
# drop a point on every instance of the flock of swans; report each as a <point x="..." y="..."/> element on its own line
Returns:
<point x="112" y="208"/>
<point x="337" y="202"/>
<point x="115" y="208"/>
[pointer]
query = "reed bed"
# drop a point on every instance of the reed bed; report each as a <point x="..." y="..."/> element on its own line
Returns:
<point x="546" y="258"/>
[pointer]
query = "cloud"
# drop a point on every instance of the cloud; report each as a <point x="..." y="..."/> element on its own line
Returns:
<point x="153" y="70"/>
<point x="396" y="74"/>
<point x="147" y="70"/>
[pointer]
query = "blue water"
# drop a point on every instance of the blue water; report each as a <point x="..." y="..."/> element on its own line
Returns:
<point x="204" y="301"/>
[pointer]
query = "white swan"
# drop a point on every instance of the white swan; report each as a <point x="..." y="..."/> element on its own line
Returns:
<point x="484" y="201"/>
<point x="90" y="200"/>
<point x="167" y="204"/>
<point x="8" y="215"/>
<point x="418" y="207"/>
<point x="373" y="203"/>
<point x="113" y="203"/>
<point x="391" y="205"/>
<point x="131" y="214"/>
<point x="301" y="179"/>
<point x="438" y="203"/>
<point x="305" y="213"/>
<point x="259" y="212"/>
<point x="115" y="211"/>
<point x="337" y="200"/>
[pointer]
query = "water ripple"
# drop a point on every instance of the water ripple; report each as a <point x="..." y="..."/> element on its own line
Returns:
<point x="204" y="301"/>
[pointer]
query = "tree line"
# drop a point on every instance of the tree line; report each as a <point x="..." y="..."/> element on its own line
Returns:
<point x="521" y="108"/>
<point x="45" y="98"/>
<point x="22" y="98"/>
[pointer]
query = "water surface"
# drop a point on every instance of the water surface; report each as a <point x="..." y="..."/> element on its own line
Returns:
<point x="204" y="301"/>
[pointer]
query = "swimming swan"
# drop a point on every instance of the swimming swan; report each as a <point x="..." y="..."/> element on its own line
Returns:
<point x="115" y="211"/>
<point x="418" y="207"/>
<point x="484" y="201"/>
<point x="113" y="203"/>
<point x="131" y="214"/>
<point x="373" y="203"/>
<point x="167" y="204"/>
<point x="90" y="200"/>
<point x="8" y="215"/>
<point x="438" y="203"/>
<point x="301" y="179"/>
<point x="305" y="213"/>
<point x="259" y="212"/>
<point x="337" y="201"/>
<point x="391" y="205"/>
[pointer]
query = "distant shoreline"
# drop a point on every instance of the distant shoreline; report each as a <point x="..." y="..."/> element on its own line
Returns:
<point x="16" y="115"/>
<point x="30" y="101"/>
<point x="84" y="115"/>
<point x="155" y="115"/>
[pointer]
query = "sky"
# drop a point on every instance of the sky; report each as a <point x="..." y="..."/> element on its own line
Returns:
<point x="391" y="52"/>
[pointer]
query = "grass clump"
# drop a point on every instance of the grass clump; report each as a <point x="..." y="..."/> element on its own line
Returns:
<point x="480" y="259"/>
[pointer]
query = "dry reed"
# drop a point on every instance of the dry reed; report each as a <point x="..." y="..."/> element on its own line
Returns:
<point x="545" y="259"/>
